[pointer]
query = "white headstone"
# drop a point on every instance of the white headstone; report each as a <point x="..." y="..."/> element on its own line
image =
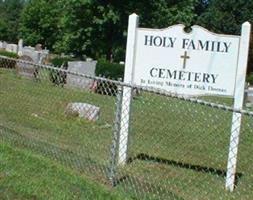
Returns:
<point x="20" y="47"/>
<point x="4" y="45"/>
<point x="30" y="51"/>
<point x="38" y="47"/>
<point x="249" y="95"/>
<point x="25" y="67"/>
<point x="12" y="48"/>
<point x="82" y="67"/>
<point x="37" y="56"/>
<point x="1" y="45"/>
<point x="89" y="59"/>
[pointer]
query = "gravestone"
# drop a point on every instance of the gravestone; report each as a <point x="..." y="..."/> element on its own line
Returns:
<point x="25" y="68"/>
<point x="89" y="59"/>
<point x="12" y="48"/>
<point x="20" y="47"/>
<point x="83" y="110"/>
<point x="4" y="45"/>
<point x="249" y="96"/>
<point x="38" y="47"/>
<point x="30" y="51"/>
<point x="38" y="56"/>
<point x="81" y="67"/>
<point x="1" y="45"/>
<point x="43" y="56"/>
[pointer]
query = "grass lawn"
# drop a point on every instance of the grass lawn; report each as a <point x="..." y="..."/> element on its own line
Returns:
<point x="26" y="176"/>
<point x="177" y="149"/>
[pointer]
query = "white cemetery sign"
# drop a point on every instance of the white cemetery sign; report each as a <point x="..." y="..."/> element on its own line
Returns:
<point x="196" y="63"/>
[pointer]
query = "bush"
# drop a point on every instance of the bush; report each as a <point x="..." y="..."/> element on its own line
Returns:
<point x="58" y="77"/>
<point x="119" y="54"/>
<point x="109" y="70"/>
<point x="249" y="78"/>
<point x="58" y="61"/>
<point x="8" y="63"/>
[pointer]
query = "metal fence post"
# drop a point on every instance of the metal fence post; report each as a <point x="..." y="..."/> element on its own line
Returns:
<point x="115" y="138"/>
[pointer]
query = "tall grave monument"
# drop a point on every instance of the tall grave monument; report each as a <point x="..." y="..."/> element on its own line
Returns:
<point x="196" y="63"/>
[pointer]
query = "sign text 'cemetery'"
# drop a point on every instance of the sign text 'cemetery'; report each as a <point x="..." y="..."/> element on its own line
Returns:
<point x="196" y="63"/>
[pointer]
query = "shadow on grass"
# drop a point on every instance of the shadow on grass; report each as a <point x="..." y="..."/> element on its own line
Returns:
<point x="140" y="187"/>
<point x="197" y="168"/>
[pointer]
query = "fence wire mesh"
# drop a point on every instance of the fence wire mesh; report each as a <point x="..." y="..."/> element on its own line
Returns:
<point x="155" y="146"/>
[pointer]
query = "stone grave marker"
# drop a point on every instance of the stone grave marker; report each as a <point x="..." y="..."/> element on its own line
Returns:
<point x="83" y="110"/>
<point x="20" y="47"/>
<point x="31" y="52"/>
<point x="4" y="45"/>
<point x="26" y="69"/>
<point x="38" y="47"/>
<point x="12" y="48"/>
<point x="37" y="55"/>
<point x="82" y="67"/>
<point x="249" y="96"/>
<point x="1" y="45"/>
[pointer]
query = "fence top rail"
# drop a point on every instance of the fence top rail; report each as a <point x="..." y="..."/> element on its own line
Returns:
<point x="141" y="88"/>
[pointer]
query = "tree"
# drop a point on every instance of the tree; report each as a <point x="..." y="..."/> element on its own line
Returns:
<point x="39" y="22"/>
<point x="98" y="28"/>
<point x="75" y="26"/>
<point x="226" y="16"/>
<point x="10" y="11"/>
<point x="163" y="13"/>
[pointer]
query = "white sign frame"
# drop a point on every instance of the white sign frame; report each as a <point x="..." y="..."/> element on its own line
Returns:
<point x="238" y="95"/>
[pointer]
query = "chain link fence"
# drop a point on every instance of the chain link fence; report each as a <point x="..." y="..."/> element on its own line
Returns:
<point x="154" y="145"/>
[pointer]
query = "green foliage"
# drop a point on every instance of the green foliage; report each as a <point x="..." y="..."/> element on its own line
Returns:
<point x="3" y="29"/>
<point x="163" y="13"/>
<point x="10" y="11"/>
<point x="98" y="28"/>
<point x="59" y="61"/>
<point x="76" y="27"/>
<point x="109" y="70"/>
<point x="119" y="54"/>
<point x="40" y="120"/>
<point x="31" y="176"/>
<point x="8" y="54"/>
<point x="58" y="77"/>
<point x="39" y="22"/>
<point x="249" y="78"/>
<point x="226" y="16"/>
